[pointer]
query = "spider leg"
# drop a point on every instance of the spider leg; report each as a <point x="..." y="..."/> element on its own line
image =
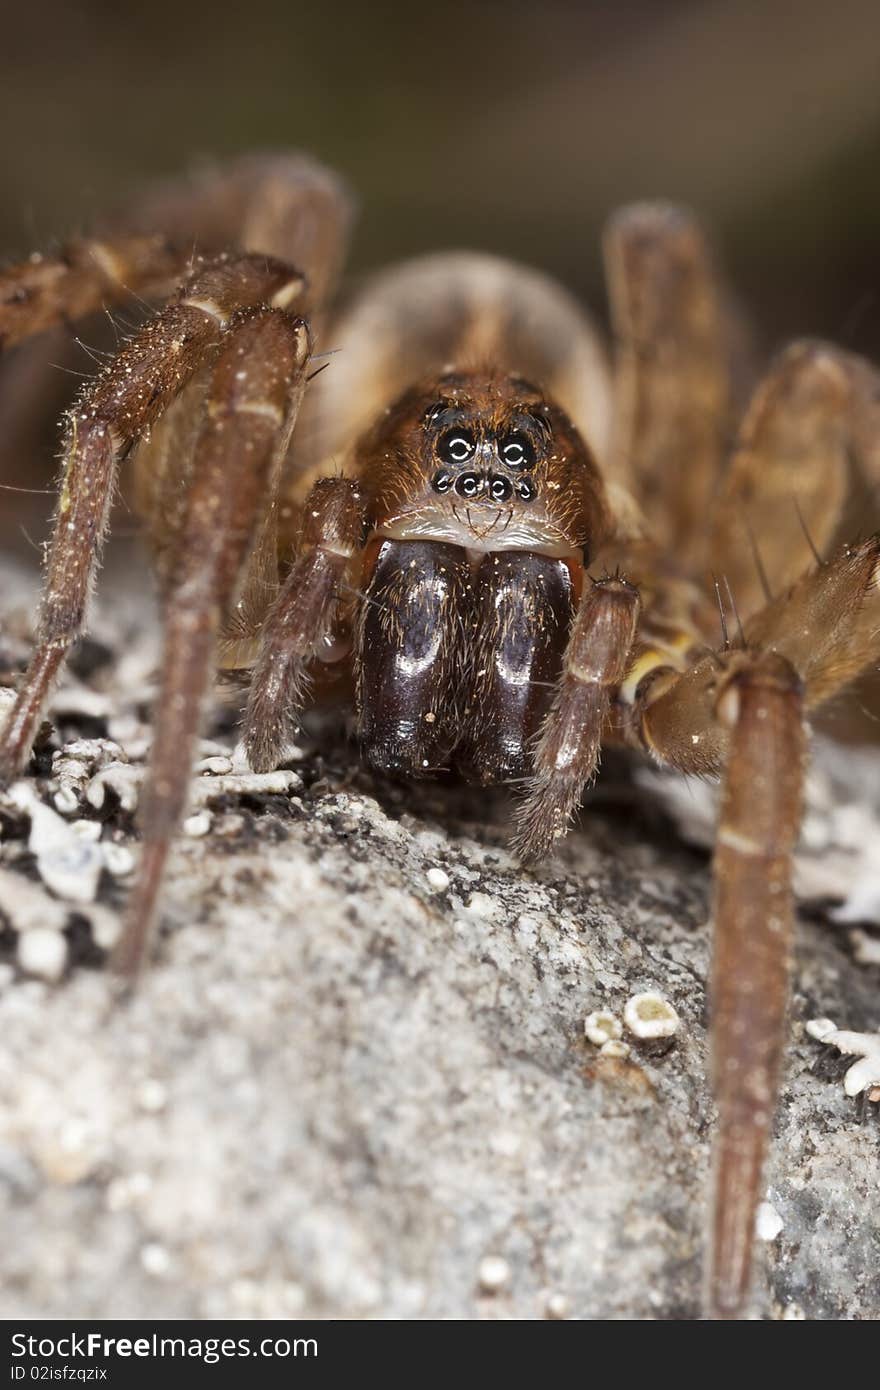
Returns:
<point x="282" y="204"/>
<point x="567" y="754"/>
<point x="742" y="710"/>
<point x="255" y="391"/>
<point x="761" y="704"/>
<point x="302" y="617"/>
<point x="286" y="205"/>
<point x="672" y="377"/>
<point x="101" y="429"/>
<point x="83" y="277"/>
<point x="789" y="477"/>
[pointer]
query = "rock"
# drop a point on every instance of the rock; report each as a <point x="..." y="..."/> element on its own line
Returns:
<point x="42" y="952"/>
<point x="355" y="1082"/>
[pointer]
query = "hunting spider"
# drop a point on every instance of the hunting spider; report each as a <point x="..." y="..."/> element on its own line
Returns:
<point x="512" y="553"/>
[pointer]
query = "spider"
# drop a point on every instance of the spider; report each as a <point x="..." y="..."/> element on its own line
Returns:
<point x="512" y="554"/>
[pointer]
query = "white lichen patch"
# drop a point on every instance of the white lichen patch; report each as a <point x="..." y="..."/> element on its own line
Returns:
<point x="649" y="1015"/>
<point x="438" y="881"/>
<point x="74" y="766"/>
<point x="215" y="765"/>
<point x="7" y="700"/>
<point x="601" y="1026"/>
<point x="863" y="1075"/>
<point x="866" y="948"/>
<point x="118" y="859"/>
<point x="768" y="1222"/>
<point x="68" y="862"/>
<point x="121" y="779"/>
<point x="838" y="855"/>
<point x="77" y="701"/>
<point x="614" y="1048"/>
<point x="278" y="783"/>
<point x="26" y="906"/>
<point x="481" y="905"/>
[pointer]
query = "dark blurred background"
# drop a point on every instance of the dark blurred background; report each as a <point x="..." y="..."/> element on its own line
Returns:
<point x="502" y="124"/>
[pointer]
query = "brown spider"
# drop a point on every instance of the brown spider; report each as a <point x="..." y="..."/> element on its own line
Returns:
<point x="430" y="528"/>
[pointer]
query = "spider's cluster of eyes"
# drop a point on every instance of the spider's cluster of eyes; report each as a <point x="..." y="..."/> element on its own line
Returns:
<point x="458" y="447"/>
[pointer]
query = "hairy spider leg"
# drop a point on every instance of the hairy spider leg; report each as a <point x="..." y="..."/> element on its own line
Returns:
<point x="672" y="381"/>
<point x="302" y="617"/>
<point x="256" y="387"/>
<point x="567" y="755"/>
<point x="741" y="711"/>
<point x="284" y="205"/>
<point x="788" y="481"/>
<point x="101" y="429"/>
<point x="86" y="275"/>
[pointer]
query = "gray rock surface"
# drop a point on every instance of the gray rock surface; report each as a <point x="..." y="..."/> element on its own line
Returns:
<point x="355" y="1081"/>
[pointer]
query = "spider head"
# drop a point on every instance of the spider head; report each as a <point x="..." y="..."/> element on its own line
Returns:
<point x="486" y="462"/>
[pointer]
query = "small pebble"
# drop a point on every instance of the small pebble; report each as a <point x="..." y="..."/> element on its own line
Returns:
<point x="215" y="765"/>
<point x="87" y="829"/>
<point x="26" y="905"/>
<point x="438" y="881"/>
<point x="819" y="1028"/>
<point x="152" y="1095"/>
<point x="66" y="801"/>
<point x="155" y="1260"/>
<point x="556" y="1307"/>
<point x="494" y="1273"/>
<point x="118" y="858"/>
<point x="866" y="949"/>
<point x="43" y="953"/>
<point x="106" y="926"/>
<point x="198" y="824"/>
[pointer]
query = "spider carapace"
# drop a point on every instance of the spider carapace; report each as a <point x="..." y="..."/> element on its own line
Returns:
<point x="515" y="551"/>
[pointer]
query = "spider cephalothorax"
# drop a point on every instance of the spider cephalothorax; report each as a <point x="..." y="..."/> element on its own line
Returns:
<point x="481" y="503"/>
<point x="487" y="463"/>
<point x="428" y="526"/>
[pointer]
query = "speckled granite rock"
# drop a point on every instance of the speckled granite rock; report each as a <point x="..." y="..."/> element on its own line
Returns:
<point x="355" y="1081"/>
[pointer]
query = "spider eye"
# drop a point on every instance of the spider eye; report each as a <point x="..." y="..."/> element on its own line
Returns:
<point x="517" y="451"/>
<point x="468" y="485"/>
<point x="526" y="489"/>
<point x="456" y="446"/>
<point x="441" y="482"/>
<point x="499" y="489"/>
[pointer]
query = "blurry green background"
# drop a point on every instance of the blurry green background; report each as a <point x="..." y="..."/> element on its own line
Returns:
<point x="501" y="124"/>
